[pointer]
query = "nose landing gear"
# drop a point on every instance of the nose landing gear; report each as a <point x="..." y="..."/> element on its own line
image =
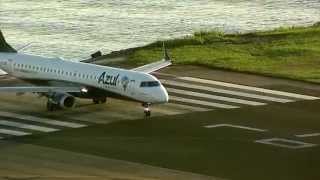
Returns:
<point x="147" y="111"/>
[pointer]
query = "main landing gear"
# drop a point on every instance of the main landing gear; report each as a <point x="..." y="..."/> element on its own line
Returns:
<point x="99" y="100"/>
<point x="147" y="111"/>
<point x="51" y="106"/>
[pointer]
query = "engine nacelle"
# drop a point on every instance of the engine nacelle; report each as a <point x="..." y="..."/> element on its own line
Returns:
<point x="63" y="100"/>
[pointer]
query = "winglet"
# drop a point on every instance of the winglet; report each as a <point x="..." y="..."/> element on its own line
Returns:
<point x="4" y="46"/>
<point x="165" y="52"/>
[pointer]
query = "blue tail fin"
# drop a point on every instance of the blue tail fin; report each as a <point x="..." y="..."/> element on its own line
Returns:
<point x="4" y="46"/>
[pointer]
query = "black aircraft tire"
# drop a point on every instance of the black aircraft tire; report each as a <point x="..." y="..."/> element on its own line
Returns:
<point x="99" y="100"/>
<point x="103" y="100"/>
<point x="95" y="101"/>
<point x="50" y="106"/>
<point x="148" y="113"/>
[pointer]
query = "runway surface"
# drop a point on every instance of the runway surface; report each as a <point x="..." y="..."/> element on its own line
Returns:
<point x="187" y="94"/>
<point x="25" y="115"/>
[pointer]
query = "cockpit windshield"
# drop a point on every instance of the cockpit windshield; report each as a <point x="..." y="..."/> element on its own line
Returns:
<point x="149" y="84"/>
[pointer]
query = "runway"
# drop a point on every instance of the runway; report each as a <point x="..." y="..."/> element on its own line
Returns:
<point x="223" y="107"/>
<point x="187" y="94"/>
<point x="210" y="94"/>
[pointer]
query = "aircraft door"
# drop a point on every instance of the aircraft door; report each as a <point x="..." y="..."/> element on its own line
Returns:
<point x="10" y="65"/>
<point x="132" y="87"/>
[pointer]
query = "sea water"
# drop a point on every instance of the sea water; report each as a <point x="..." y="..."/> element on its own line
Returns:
<point x="75" y="29"/>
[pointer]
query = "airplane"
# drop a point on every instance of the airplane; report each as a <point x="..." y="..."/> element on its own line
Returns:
<point x="62" y="81"/>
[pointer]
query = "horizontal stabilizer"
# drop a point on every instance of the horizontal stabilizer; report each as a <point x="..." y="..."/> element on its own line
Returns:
<point x="94" y="57"/>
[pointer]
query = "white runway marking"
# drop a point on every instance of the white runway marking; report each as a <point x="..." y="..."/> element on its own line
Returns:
<point x="220" y="98"/>
<point x="13" y="132"/>
<point x="236" y="126"/>
<point x="192" y="108"/>
<point x="42" y="120"/>
<point x="308" y="135"/>
<point x="193" y="101"/>
<point x="262" y="90"/>
<point x="285" y="143"/>
<point x="27" y="126"/>
<point x="223" y="91"/>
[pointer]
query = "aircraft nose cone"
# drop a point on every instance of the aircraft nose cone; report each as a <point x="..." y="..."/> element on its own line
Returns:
<point x="165" y="96"/>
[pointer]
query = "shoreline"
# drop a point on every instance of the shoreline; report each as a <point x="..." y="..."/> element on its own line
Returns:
<point x="276" y="53"/>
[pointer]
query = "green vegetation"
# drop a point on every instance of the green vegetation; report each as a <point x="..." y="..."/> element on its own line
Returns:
<point x="181" y="142"/>
<point x="285" y="52"/>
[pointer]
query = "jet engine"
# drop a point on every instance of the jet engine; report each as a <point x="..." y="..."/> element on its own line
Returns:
<point x="62" y="100"/>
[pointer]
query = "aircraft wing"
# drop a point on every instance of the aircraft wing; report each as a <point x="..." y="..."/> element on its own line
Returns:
<point x="149" y="68"/>
<point x="152" y="67"/>
<point x="39" y="89"/>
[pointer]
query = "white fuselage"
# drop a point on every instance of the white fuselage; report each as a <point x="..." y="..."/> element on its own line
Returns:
<point x="137" y="86"/>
